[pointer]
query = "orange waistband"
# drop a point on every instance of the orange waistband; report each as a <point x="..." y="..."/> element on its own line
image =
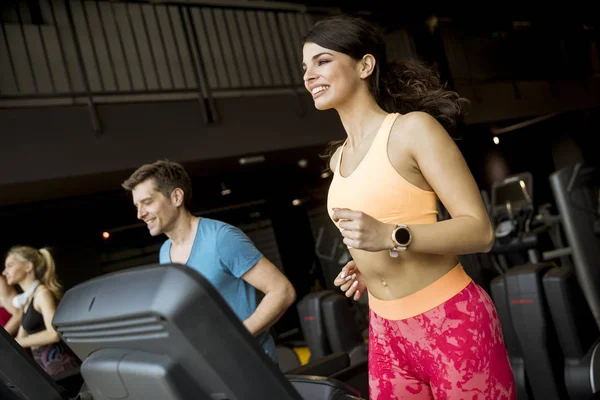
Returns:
<point x="425" y="299"/>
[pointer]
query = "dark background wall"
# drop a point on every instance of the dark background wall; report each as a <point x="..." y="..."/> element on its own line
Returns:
<point x="58" y="142"/>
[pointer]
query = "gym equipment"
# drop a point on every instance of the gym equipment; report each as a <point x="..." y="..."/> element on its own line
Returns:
<point x="529" y="318"/>
<point x="287" y="358"/>
<point x="342" y="330"/>
<point x="548" y="325"/>
<point x="164" y="332"/>
<point x="512" y="211"/>
<point x="574" y="293"/>
<point x="577" y="332"/>
<point x="517" y="358"/>
<point x="329" y="326"/>
<point x="21" y="377"/>
<point x="312" y="325"/>
<point x="518" y="292"/>
<point x="578" y="199"/>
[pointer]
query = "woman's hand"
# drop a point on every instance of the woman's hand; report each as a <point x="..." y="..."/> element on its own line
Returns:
<point x="351" y="281"/>
<point x="363" y="232"/>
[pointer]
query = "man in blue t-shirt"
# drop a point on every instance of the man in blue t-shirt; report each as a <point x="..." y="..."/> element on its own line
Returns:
<point x="222" y="253"/>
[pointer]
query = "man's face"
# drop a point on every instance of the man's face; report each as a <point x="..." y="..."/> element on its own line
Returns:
<point x="157" y="211"/>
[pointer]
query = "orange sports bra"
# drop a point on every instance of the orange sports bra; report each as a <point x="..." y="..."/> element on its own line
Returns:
<point x="377" y="189"/>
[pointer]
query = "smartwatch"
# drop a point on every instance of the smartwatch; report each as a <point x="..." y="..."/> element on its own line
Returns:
<point x="401" y="237"/>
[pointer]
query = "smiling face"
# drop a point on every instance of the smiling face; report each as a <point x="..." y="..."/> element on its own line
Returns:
<point x="329" y="76"/>
<point x="155" y="209"/>
<point x="16" y="269"/>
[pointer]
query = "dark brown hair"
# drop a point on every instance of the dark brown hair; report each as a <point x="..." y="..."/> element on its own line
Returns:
<point x="397" y="86"/>
<point x="167" y="176"/>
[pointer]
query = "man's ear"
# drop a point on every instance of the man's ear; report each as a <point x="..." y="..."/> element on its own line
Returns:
<point x="177" y="197"/>
<point x="367" y="66"/>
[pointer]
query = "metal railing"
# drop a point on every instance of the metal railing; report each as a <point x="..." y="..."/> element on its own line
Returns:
<point x="99" y="51"/>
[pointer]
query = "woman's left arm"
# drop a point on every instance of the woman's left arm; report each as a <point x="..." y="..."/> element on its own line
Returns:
<point x="441" y="163"/>
<point x="47" y="307"/>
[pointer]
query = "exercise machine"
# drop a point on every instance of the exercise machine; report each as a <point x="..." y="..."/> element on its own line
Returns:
<point x="329" y="325"/>
<point x="518" y="292"/>
<point x="574" y="293"/>
<point x="164" y="332"/>
<point x="21" y="378"/>
<point x="551" y="334"/>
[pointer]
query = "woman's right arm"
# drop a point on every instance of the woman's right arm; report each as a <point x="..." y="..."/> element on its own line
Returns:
<point x="6" y="301"/>
<point x="12" y="326"/>
<point x="351" y="281"/>
<point x="14" y="323"/>
<point x="20" y="333"/>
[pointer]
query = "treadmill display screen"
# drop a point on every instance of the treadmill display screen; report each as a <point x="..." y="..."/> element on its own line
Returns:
<point x="512" y="192"/>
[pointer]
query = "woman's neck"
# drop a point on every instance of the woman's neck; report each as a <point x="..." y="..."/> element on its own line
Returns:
<point x="361" y="116"/>
<point x="27" y="282"/>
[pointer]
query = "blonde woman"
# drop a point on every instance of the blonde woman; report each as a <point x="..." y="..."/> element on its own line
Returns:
<point x="35" y="272"/>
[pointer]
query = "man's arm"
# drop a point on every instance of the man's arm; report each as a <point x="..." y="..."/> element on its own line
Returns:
<point x="279" y="295"/>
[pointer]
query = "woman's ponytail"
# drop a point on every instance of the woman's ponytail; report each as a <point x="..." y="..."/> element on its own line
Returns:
<point x="49" y="274"/>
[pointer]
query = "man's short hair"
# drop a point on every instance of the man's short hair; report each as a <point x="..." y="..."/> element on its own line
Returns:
<point x="167" y="176"/>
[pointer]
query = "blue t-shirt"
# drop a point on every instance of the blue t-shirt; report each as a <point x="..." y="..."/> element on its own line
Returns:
<point x="222" y="253"/>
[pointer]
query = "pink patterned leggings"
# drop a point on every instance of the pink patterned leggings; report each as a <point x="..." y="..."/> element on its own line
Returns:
<point x="453" y="351"/>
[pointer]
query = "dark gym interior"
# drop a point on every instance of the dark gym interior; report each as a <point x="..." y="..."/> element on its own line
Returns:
<point x="90" y="90"/>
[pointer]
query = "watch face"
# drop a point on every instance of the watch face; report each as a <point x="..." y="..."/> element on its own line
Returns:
<point x="402" y="236"/>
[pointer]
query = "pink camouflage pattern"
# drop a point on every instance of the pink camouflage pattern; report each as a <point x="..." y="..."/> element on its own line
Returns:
<point x="454" y="351"/>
